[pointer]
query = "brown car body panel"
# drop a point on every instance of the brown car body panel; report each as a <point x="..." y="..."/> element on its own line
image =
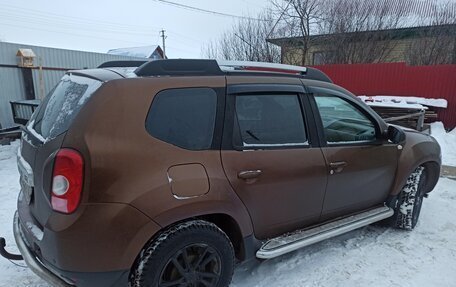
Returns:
<point x="135" y="185"/>
<point x="418" y="149"/>
<point x="130" y="166"/>
<point x="362" y="183"/>
<point x="289" y="192"/>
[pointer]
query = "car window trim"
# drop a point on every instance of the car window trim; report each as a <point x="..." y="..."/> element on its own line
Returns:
<point x="238" y="89"/>
<point x="264" y="89"/>
<point x="274" y="146"/>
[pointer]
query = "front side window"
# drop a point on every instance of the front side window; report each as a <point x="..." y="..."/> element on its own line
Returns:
<point x="184" y="117"/>
<point x="343" y="122"/>
<point x="269" y="121"/>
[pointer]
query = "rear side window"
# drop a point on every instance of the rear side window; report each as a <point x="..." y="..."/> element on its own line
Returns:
<point x="269" y="121"/>
<point x="61" y="106"/>
<point x="184" y="117"/>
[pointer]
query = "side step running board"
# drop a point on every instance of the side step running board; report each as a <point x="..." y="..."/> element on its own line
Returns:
<point x="292" y="241"/>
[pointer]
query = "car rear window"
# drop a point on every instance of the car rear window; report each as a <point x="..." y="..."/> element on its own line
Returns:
<point x="61" y="106"/>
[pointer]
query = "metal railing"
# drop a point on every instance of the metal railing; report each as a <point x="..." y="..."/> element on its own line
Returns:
<point x="23" y="110"/>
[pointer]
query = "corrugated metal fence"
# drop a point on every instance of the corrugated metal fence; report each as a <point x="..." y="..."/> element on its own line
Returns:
<point x="54" y="62"/>
<point x="399" y="79"/>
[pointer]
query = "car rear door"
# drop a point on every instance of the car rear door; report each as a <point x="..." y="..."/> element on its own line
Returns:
<point x="43" y="137"/>
<point x="270" y="157"/>
<point x="361" y="164"/>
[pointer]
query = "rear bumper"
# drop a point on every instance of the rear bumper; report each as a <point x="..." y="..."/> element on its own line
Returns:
<point x="62" y="278"/>
<point x="32" y="262"/>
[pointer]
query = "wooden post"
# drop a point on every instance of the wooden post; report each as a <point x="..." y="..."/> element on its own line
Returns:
<point x="420" y="121"/>
<point x="41" y="78"/>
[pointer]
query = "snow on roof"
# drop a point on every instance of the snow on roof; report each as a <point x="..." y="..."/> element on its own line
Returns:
<point x="404" y="102"/>
<point x="26" y="53"/>
<point x="139" y="52"/>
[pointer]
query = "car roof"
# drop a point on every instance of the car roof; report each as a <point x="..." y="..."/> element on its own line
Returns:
<point x="188" y="67"/>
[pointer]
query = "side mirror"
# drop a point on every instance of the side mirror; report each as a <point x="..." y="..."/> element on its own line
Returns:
<point x="395" y="134"/>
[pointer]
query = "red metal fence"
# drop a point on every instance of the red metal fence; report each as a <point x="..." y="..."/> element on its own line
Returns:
<point x="399" y="79"/>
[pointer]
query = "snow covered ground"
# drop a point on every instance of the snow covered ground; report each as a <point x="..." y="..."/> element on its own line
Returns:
<point x="371" y="256"/>
<point x="447" y="142"/>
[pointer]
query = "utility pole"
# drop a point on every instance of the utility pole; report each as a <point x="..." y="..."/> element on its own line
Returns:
<point x="163" y="38"/>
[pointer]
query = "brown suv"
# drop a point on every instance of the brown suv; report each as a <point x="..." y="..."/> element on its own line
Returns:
<point x="168" y="173"/>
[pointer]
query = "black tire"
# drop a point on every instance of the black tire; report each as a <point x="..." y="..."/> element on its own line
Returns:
<point x="410" y="200"/>
<point x="194" y="253"/>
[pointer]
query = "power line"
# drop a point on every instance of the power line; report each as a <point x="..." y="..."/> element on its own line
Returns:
<point x="55" y="22"/>
<point x="78" y="23"/>
<point x="63" y="24"/>
<point x="278" y="20"/>
<point x="83" y="20"/>
<point x="187" y="7"/>
<point x="69" y="33"/>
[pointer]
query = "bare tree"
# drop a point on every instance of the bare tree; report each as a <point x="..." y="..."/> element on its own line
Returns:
<point x="246" y="41"/>
<point x="359" y="31"/>
<point x="299" y="18"/>
<point x="437" y="43"/>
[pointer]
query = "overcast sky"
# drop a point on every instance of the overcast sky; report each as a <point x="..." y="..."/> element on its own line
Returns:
<point x="102" y="25"/>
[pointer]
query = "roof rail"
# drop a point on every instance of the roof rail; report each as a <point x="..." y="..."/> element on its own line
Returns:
<point x="179" y="67"/>
<point x="261" y="67"/>
<point x="122" y="64"/>
<point x="305" y="72"/>
<point x="188" y="67"/>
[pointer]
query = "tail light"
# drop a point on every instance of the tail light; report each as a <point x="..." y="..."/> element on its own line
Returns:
<point x="67" y="179"/>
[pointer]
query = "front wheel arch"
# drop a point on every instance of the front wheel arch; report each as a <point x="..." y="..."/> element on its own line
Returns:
<point x="432" y="170"/>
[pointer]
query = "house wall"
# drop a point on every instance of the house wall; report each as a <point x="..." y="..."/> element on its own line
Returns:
<point x="293" y="56"/>
<point x="55" y="63"/>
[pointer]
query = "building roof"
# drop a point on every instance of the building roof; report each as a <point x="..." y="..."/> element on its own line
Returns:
<point x="26" y="53"/>
<point x="139" y="52"/>
<point x="399" y="33"/>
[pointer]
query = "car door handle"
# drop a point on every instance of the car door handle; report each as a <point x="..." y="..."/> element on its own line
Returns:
<point x="249" y="174"/>
<point x="337" y="167"/>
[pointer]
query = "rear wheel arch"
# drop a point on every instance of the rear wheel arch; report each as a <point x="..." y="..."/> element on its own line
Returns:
<point x="225" y="222"/>
<point x="172" y="243"/>
<point x="228" y="225"/>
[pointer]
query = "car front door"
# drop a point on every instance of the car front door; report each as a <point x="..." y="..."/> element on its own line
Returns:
<point x="361" y="164"/>
<point x="270" y="158"/>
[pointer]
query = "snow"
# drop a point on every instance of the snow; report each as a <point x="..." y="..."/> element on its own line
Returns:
<point x="36" y="231"/>
<point x="138" y="52"/>
<point x="26" y="167"/>
<point x="11" y="275"/>
<point x="371" y="256"/>
<point x="404" y="102"/>
<point x="447" y="142"/>
<point x="34" y="133"/>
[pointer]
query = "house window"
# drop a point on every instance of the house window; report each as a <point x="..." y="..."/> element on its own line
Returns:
<point x="322" y="57"/>
<point x="319" y="58"/>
